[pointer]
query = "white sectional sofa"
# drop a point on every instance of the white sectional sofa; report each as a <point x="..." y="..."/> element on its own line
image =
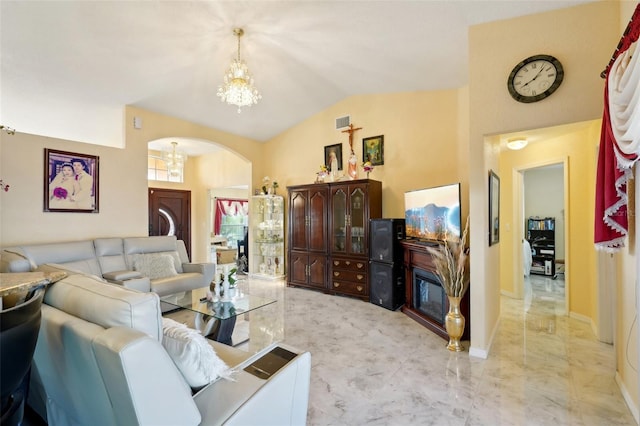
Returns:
<point x="141" y="263"/>
<point x="100" y="360"/>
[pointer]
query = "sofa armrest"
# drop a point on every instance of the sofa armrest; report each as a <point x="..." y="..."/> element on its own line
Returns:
<point x="121" y="275"/>
<point x="208" y="270"/>
<point x="142" y="284"/>
<point x="129" y="279"/>
<point x="282" y="399"/>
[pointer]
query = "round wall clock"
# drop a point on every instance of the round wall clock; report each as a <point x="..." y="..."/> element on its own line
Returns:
<point x="535" y="78"/>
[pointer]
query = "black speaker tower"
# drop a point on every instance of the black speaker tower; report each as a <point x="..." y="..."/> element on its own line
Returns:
<point x="386" y="272"/>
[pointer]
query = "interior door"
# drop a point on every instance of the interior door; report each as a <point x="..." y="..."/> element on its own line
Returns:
<point x="170" y="214"/>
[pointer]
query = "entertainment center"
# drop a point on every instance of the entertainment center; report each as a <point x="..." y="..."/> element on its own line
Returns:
<point x="426" y="301"/>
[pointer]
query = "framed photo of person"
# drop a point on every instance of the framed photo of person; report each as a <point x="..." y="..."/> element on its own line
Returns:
<point x="373" y="150"/>
<point x="331" y="153"/>
<point x="70" y="182"/>
<point x="494" y="208"/>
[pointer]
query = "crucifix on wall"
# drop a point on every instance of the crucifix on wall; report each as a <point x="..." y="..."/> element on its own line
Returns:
<point x="351" y="130"/>
<point x="353" y="160"/>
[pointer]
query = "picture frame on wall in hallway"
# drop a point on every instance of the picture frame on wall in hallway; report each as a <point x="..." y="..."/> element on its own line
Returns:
<point x="494" y="208"/>
<point x="70" y="182"/>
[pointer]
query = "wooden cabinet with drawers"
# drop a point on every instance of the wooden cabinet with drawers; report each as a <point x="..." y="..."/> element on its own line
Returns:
<point x="330" y="221"/>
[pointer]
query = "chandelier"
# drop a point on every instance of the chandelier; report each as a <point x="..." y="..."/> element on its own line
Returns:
<point x="175" y="160"/>
<point x="238" y="83"/>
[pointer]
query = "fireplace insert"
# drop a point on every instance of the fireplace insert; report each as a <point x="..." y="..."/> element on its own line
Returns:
<point x="429" y="297"/>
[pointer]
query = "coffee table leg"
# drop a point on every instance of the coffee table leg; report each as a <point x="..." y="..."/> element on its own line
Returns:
<point x="223" y="333"/>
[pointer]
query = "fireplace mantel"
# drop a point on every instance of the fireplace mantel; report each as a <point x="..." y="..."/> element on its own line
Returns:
<point x="416" y="256"/>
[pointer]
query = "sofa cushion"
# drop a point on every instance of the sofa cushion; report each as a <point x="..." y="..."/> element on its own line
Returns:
<point x="110" y="253"/>
<point x="105" y="304"/>
<point x="194" y="357"/>
<point x="157" y="244"/>
<point x="154" y="265"/>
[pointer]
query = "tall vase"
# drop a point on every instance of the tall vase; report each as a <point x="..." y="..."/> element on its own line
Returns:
<point x="454" y="324"/>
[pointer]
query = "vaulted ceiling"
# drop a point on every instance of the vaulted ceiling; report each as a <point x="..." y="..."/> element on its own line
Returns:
<point x="69" y="67"/>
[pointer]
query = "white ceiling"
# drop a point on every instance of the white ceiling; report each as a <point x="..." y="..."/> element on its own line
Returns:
<point x="69" y="67"/>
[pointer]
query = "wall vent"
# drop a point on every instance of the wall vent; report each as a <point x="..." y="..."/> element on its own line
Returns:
<point x="342" y="122"/>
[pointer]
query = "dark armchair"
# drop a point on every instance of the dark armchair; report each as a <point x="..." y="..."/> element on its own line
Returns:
<point x="19" y="327"/>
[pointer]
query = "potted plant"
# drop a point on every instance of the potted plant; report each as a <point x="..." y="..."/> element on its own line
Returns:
<point x="450" y="260"/>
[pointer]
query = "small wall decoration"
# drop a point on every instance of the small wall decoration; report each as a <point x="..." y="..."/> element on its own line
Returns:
<point x="333" y="152"/>
<point x="373" y="150"/>
<point x="70" y="182"/>
<point x="494" y="208"/>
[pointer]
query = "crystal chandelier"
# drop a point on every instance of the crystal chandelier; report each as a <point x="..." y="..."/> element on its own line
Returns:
<point x="238" y="83"/>
<point x="175" y="160"/>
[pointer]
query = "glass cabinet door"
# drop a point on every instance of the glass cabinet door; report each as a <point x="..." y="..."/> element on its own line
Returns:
<point x="356" y="221"/>
<point x="339" y="221"/>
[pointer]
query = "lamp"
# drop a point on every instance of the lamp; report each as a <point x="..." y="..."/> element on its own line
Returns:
<point x="175" y="160"/>
<point x="517" y="143"/>
<point x="238" y="83"/>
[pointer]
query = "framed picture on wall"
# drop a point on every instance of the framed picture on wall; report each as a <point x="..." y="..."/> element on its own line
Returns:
<point x="373" y="150"/>
<point x="494" y="208"/>
<point x="331" y="153"/>
<point x="70" y="182"/>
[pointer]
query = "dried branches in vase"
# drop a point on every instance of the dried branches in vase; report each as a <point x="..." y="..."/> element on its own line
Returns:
<point x="450" y="260"/>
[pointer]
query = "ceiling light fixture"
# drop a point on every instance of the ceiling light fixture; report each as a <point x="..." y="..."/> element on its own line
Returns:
<point x="238" y="83"/>
<point x="517" y="144"/>
<point x="175" y="160"/>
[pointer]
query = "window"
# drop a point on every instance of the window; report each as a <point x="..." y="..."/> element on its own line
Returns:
<point x="157" y="170"/>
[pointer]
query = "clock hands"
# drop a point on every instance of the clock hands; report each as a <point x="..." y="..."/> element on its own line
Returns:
<point x="537" y="75"/>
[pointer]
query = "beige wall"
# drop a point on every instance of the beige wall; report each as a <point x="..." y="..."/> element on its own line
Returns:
<point x="230" y="167"/>
<point x="422" y="144"/>
<point x="582" y="38"/>
<point x="122" y="192"/>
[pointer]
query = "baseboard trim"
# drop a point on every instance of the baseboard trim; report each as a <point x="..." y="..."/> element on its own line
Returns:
<point x="627" y="398"/>
<point x="484" y="353"/>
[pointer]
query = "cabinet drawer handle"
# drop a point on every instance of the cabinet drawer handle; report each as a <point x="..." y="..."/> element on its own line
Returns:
<point x="336" y="284"/>
<point x="359" y="287"/>
<point x="347" y="263"/>
<point x="336" y="263"/>
<point x="359" y="265"/>
<point x="360" y="276"/>
<point x="336" y="274"/>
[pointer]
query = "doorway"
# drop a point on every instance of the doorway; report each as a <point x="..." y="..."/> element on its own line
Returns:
<point x="170" y="214"/>
<point x="544" y="193"/>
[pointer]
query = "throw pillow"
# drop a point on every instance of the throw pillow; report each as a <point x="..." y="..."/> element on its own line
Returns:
<point x="195" y="358"/>
<point x="154" y="265"/>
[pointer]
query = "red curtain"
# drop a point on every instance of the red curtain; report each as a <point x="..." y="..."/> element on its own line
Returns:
<point x="229" y="207"/>
<point x="618" y="143"/>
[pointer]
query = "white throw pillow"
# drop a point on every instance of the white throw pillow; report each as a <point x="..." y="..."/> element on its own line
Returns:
<point x="155" y="265"/>
<point x="194" y="357"/>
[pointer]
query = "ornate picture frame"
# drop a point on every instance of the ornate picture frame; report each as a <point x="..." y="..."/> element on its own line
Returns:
<point x="70" y="182"/>
<point x="494" y="208"/>
<point x="331" y="150"/>
<point x="373" y="150"/>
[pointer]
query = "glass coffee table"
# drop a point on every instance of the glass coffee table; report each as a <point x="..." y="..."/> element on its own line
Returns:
<point x="215" y="318"/>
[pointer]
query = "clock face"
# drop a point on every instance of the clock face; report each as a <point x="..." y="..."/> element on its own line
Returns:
<point x="535" y="78"/>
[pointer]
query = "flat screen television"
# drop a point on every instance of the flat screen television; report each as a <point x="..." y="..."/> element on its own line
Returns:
<point x="433" y="214"/>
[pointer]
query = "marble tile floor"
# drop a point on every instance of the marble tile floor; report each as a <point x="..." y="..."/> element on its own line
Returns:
<point x="378" y="367"/>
